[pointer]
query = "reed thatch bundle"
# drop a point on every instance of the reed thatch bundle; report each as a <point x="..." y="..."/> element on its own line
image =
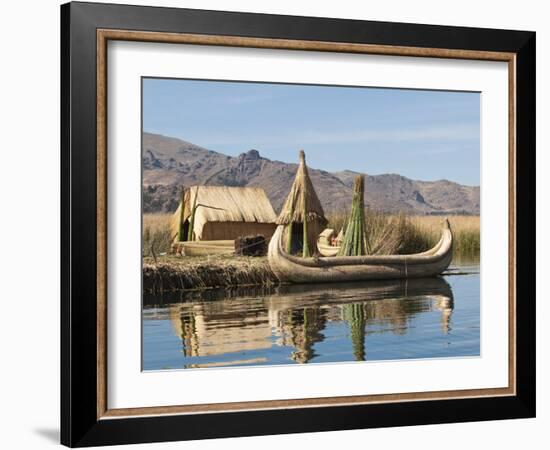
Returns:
<point x="302" y="207"/>
<point x="354" y="243"/>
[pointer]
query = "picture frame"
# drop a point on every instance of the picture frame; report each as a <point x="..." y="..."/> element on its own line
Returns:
<point x="86" y="418"/>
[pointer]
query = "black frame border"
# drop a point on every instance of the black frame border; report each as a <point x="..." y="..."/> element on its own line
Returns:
<point x="79" y="423"/>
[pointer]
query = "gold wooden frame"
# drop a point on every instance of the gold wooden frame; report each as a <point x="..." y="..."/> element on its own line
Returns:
<point x="104" y="35"/>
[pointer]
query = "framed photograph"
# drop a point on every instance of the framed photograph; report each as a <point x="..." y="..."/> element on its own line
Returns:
<point x="276" y="224"/>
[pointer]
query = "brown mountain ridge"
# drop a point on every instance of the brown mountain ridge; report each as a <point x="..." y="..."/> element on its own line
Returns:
<point x="169" y="163"/>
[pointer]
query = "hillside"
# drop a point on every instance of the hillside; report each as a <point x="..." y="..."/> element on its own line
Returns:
<point x="169" y="163"/>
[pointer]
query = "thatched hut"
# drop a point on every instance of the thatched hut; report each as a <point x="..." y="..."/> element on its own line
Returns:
<point x="222" y="213"/>
<point x="302" y="214"/>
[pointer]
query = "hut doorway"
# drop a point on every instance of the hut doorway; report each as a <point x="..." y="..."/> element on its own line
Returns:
<point x="185" y="229"/>
<point x="297" y="243"/>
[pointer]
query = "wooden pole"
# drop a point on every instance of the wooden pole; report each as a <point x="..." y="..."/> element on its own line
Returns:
<point x="289" y="229"/>
<point x="305" y="246"/>
<point x="181" y="237"/>
<point x="192" y="219"/>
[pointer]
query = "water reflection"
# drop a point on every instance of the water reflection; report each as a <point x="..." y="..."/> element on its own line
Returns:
<point x="244" y="325"/>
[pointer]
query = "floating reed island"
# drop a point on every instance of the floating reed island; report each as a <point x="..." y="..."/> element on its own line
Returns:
<point x="171" y="273"/>
<point x="205" y="242"/>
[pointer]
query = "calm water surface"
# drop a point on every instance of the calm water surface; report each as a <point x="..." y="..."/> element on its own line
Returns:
<point x="425" y="318"/>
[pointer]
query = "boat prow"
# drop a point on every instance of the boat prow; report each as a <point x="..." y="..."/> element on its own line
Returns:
<point x="294" y="269"/>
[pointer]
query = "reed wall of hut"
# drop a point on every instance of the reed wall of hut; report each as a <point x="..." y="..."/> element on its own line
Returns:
<point x="224" y="213"/>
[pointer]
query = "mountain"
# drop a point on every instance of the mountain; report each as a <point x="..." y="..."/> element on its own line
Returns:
<point x="169" y="163"/>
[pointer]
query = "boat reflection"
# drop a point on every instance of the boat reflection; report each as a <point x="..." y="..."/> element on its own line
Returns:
<point x="221" y="322"/>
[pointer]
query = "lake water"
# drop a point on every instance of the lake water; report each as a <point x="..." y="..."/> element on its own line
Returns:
<point x="367" y="321"/>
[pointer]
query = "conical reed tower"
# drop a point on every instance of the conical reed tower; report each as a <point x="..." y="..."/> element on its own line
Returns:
<point x="354" y="237"/>
<point x="302" y="214"/>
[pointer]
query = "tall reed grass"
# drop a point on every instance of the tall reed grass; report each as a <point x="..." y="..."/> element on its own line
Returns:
<point x="156" y="234"/>
<point x="403" y="234"/>
<point x="466" y="232"/>
<point x="386" y="233"/>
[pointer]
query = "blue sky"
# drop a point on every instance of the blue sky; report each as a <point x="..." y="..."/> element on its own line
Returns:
<point x="424" y="135"/>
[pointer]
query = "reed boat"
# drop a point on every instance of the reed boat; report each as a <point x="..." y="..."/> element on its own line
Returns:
<point x="327" y="250"/>
<point x="294" y="269"/>
<point x="323" y="243"/>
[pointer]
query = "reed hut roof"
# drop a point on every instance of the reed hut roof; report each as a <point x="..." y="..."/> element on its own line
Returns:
<point x="225" y="204"/>
<point x="294" y="208"/>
